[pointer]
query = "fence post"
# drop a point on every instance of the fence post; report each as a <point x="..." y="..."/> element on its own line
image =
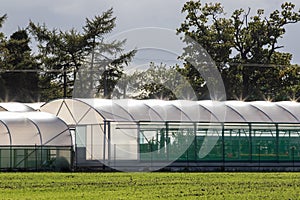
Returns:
<point x="167" y="140"/>
<point x="277" y="142"/>
<point x="223" y="147"/>
<point x="195" y="141"/>
<point x="259" y="156"/>
<point x="115" y="154"/>
<point x="250" y="141"/>
<point x="11" y="157"/>
<point x="36" y="159"/>
<point x="293" y="155"/>
<point x="104" y="143"/>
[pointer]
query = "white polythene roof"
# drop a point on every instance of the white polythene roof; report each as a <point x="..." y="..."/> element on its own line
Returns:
<point x="77" y="111"/>
<point x="15" y="107"/>
<point x="33" y="128"/>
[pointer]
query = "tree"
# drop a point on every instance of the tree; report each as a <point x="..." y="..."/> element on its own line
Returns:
<point x="106" y="59"/>
<point x="3" y="50"/>
<point x="156" y="82"/>
<point x="2" y="41"/>
<point x="60" y="55"/>
<point x="68" y="54"/>
<point x="244" y="48"/>
<point x="18" y="77"/>
<point x="109" y="66"/>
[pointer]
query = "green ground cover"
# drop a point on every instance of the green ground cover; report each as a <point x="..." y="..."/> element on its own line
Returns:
<point x="149" y="186"/>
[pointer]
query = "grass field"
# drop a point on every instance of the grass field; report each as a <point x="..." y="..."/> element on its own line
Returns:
<point x="149" y="186"/>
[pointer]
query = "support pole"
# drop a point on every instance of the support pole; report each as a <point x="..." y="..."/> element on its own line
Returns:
<point x="195" y="141"/>
<point x="138" y="142"/>
<point x="92" y="143"/>
<point x="167" y="140"/>
<point x="223" y="146"/>
<point x="104" y="141"/>
<point x="277" y="143"/>
<point x="250" y="141"/>
<point x="108" y="142"/>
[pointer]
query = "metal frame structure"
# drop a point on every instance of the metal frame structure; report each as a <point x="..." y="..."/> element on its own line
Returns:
<point x="204" y="133"/>
<point x="34" y="141"/>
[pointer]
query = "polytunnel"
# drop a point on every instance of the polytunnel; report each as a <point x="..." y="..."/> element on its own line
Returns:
<point x="150" y="133"/>
<point x="34" y="141"/>
<point x="15" y="107"/>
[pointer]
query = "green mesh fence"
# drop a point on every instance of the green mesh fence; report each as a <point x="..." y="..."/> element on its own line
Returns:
<point x="35" y="158"/>
<point x="235" y="145"/>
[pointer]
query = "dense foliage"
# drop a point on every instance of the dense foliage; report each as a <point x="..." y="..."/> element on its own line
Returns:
<point x="245" y="48"/>
<point x="62" y="56"/>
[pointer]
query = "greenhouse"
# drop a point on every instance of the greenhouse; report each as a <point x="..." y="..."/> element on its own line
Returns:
<point x="15" y="107"/>
<point x="154" y="133"/>
<point x="34" y="141"/>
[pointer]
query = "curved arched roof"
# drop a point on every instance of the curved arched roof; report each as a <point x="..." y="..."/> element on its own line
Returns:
<point x="33" y="128"/>
<point x="15" y="107"/>
<point x="80" y="111"/>
<point x="35" y="106"/>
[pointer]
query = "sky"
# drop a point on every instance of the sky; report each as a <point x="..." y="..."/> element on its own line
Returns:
<point x="134" y="19"/>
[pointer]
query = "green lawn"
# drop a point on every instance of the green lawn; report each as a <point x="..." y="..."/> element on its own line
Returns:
<point x="149" y="186"/>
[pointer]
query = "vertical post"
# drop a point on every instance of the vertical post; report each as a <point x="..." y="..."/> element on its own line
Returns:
<point x="75" y="148"/>
<point x="167" y="140"/>
<point x="157" y="134"/>
<point x="10" y="146"/>
<point x="41" y="163"/>
<point x="293" y="154"/>
<point x="75" y="156"/>
<point x="36" y="158"/>
<point x="151" y="153"/>
<point x="239" y="145"/>
<point x="92" y="142"/>
<point x="195" y="141"/>
<point x="25" y="158"/>
<point x="115" y="154"/>
<point x="138" y="142"/>
<point x="259" y="155"/>
<point x="157" y="147"/>
<point x="250" y="141"/>
<point x="277" y="142"/>
<point x="108" y="142"/>
<point x="223" y="145"/>
<point x="11" y="157"/>
<point x="41" y="156"/>
<point x="104" y="141"/>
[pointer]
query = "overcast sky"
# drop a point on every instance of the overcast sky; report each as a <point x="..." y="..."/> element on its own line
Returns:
<point x="131" y="14"/>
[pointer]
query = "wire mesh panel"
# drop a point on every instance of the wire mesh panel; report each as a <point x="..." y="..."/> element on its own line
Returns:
<point x="230" y="142"/>
<point x="35" y="158"/>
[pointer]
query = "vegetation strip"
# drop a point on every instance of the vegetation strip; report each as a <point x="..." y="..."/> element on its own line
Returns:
<point x="149" y="185"/>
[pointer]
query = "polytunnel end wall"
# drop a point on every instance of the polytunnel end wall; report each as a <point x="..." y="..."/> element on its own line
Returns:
<point x="23" y="145"/>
